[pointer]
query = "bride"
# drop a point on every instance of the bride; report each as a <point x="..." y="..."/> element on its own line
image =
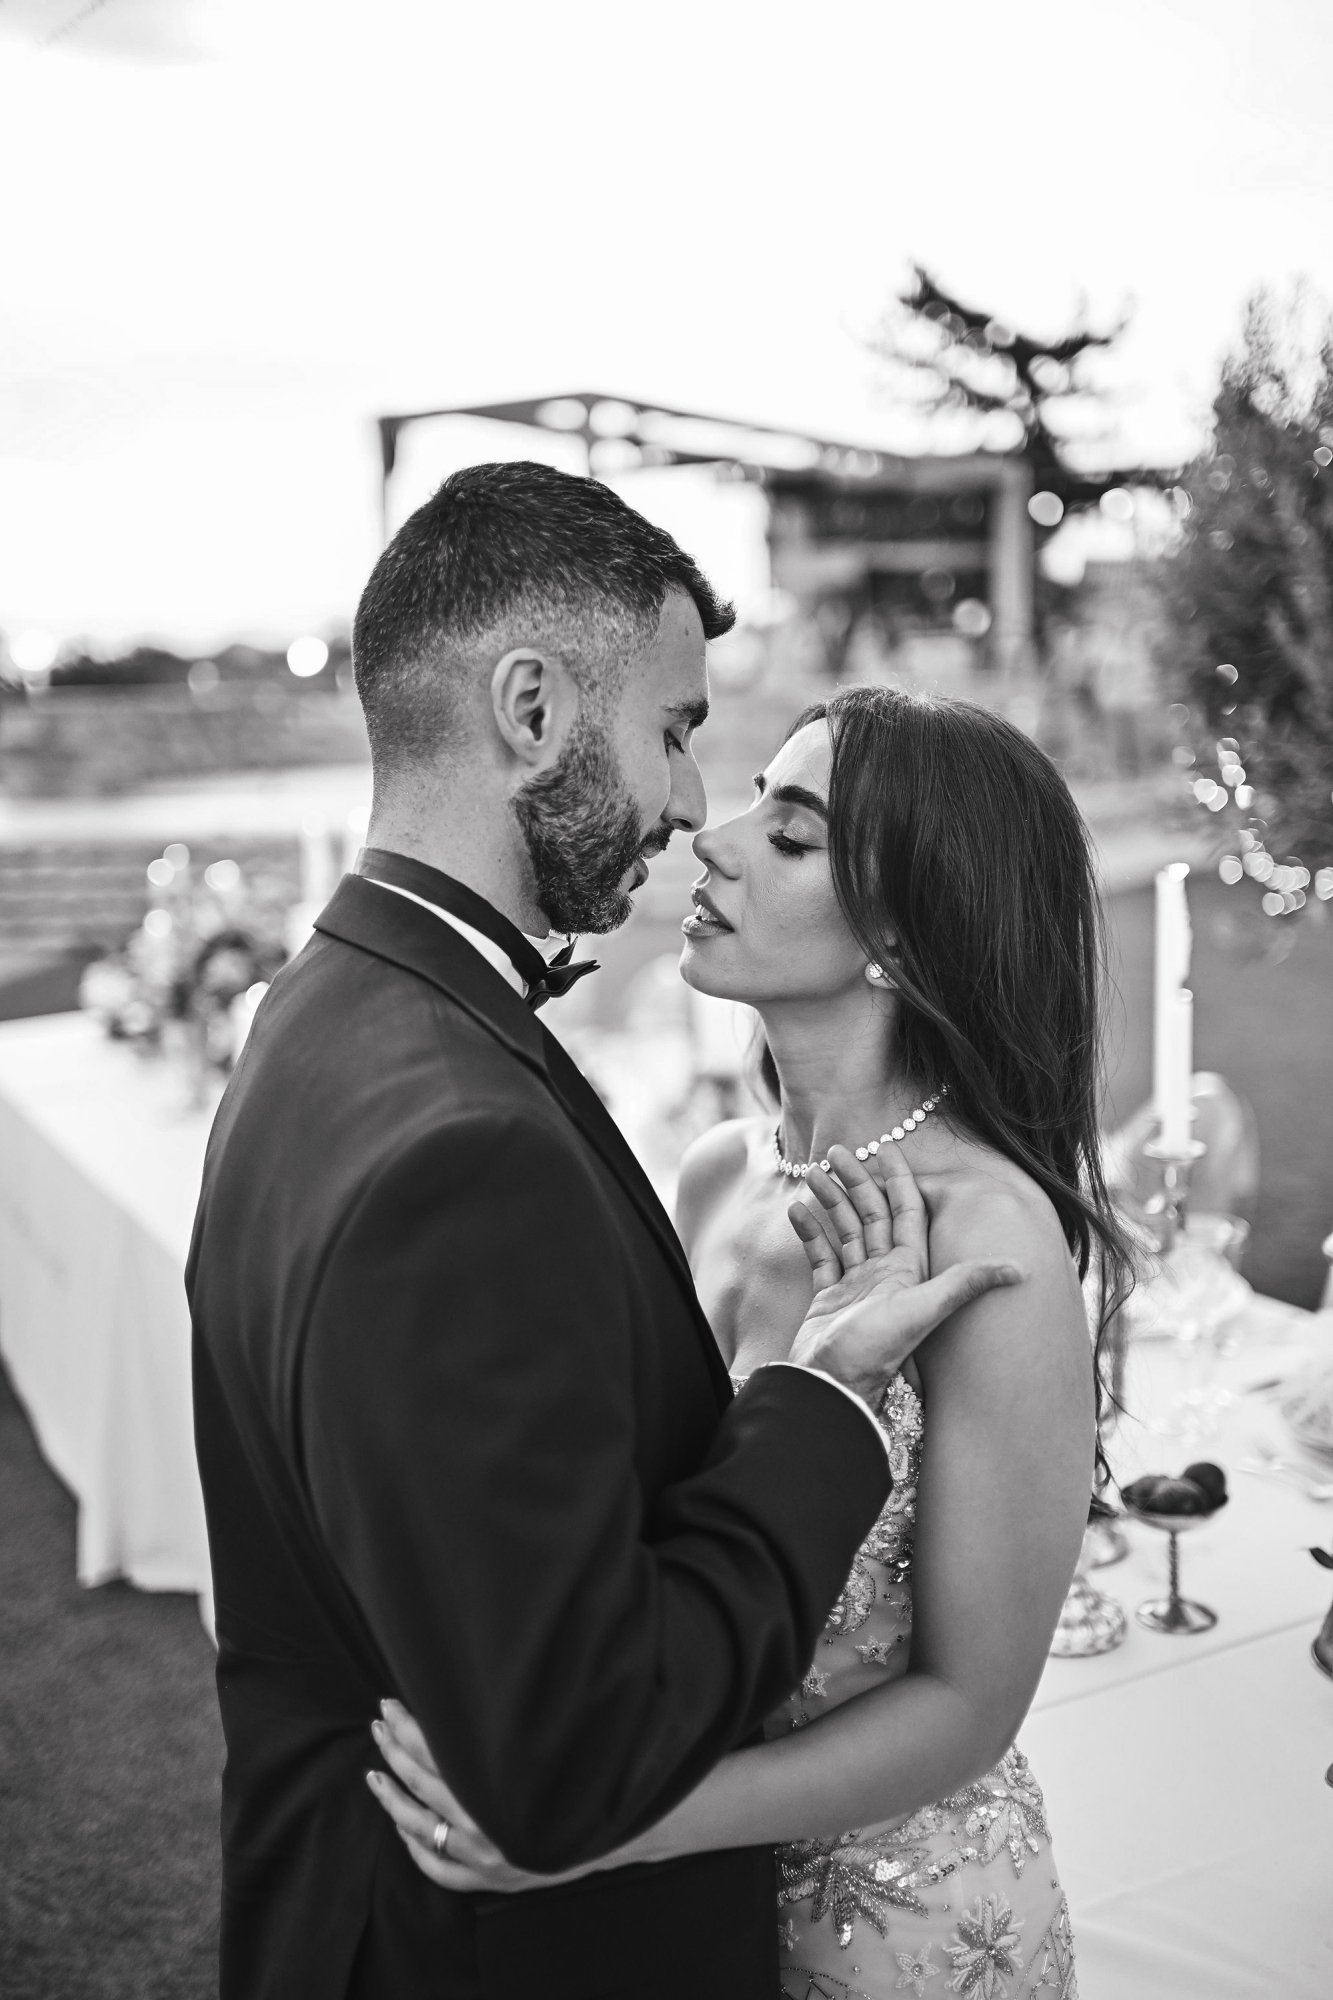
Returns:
<point x="909" y="906"/>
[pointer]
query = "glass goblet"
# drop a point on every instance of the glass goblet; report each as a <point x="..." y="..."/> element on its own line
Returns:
<point x="1174" y="1613"/>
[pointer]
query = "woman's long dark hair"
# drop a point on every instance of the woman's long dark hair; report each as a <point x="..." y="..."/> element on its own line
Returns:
<point x="964" y="867"/>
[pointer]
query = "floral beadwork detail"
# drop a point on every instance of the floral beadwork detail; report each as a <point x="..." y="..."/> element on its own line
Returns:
<point x="855" y="1598"/>
<point x="867" y="1875"/>
<point x="914" y="1969"/>
<point x="987" y="1953"/>
<point x="889" y="1542"/>
<point x="1004" y="1810"/>
<point x="957" y="1901"/>
<point x="1056" y="1975"/>
<point x="800" y="1983"/>
<point x="847" y="1879"/>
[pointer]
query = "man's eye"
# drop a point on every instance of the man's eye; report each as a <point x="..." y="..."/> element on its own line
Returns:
<point x="785" y="845"/>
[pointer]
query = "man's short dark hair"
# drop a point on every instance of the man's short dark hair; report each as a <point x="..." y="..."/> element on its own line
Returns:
<point x="510" y="554"/>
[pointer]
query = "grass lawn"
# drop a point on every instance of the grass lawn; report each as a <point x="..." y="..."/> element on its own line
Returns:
<point x="110" y="1754"/>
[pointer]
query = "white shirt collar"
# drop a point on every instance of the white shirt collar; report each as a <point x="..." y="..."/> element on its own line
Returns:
<point x="493" y="953"/>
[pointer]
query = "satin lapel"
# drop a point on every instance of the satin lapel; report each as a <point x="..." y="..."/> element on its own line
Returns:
<point x="364" y="914"/>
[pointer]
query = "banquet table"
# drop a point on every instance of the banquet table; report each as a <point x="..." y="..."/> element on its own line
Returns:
<point x="100" y="1158"/>
<point x="1185" y="1776"/>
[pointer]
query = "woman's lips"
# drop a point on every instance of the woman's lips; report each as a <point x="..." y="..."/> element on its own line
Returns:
<point x="703" y="920"/>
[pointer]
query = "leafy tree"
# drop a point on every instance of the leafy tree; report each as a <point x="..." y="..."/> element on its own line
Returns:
<point x="956" y="357"/>
<point x="1251" y="592"/>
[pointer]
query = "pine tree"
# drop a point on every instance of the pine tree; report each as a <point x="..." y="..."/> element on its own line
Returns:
<point x="1251" y="590"/>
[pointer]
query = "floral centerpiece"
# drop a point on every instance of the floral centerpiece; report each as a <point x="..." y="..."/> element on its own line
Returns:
<point x="193" y="972"/>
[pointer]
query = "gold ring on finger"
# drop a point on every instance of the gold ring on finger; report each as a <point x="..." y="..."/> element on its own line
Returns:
<point x="439" y="1840"/>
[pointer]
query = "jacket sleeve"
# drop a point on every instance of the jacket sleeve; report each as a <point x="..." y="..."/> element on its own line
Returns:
<point x="468" y="1438"/>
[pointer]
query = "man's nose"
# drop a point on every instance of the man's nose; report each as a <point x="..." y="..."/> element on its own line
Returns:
<point x="687" y="807"/>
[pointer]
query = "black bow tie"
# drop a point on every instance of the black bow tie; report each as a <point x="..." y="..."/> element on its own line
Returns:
<point x="544" y="982"/>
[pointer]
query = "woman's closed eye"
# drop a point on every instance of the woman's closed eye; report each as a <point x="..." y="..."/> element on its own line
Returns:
<point x="784" y="844"/>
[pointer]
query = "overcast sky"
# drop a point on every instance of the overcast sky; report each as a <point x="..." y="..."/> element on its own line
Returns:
<point x="233" y="230"/>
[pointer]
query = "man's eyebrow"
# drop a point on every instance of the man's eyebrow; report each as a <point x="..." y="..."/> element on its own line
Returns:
<point x="693" y="714"/>
<point x="791" y="795"/>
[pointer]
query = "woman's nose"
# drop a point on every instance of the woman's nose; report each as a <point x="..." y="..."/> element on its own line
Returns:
<point x="715" y="850"/>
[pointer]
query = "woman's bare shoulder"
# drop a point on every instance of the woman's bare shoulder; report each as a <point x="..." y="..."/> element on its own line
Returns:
<point x="982" y="1205"/>
<point x="710" y="1167"/>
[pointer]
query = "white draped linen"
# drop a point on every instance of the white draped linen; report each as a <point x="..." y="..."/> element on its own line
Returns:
<point x="1185" y="1776"/>
<point x="100" y="1161"/>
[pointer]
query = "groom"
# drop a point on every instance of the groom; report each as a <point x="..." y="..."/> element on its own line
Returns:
<point x="464" y="1434"/>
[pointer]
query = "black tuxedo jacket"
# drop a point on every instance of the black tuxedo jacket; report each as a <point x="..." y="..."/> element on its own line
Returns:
<point x="465" y="1439"/>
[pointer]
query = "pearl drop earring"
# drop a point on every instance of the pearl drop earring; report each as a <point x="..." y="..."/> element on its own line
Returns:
<point x="878" y="976"/>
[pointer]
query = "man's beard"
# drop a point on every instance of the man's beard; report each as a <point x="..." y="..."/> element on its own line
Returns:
<point x="581" y="827"/>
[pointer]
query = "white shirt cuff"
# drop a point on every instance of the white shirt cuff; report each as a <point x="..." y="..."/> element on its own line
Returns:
<point x="842" y="1390"/>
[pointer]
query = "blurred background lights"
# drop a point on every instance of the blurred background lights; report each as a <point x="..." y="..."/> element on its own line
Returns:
<point x="176" y="854"/>
<point x="307" y="657"/>
<point x="1117" y="504"/>
<point x="1323" y="884"/>
<point x="33" y="651"/>
<point x="565" y="413"/>
<point x="972" y="618"/>
<point x="1226" y="672"/>
<point x="1322" y="455"/>
<point x="611" y="419"/>
<point x="203" y="677"/>
<point x="158" y="923"/>
<point x="222" y="877"/>
<point x="1230" y="868"/>
<point x="1047" y="509"/>
<point x="161" y="874"/>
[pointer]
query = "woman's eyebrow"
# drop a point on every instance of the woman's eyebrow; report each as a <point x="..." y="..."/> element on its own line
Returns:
<point x="791" y="795"/>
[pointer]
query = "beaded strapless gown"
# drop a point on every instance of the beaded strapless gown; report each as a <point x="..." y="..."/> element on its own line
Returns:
<point x="961" y="1897"/>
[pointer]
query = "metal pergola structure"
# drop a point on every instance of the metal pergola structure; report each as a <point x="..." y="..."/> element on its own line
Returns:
<point x="620" y="433"/>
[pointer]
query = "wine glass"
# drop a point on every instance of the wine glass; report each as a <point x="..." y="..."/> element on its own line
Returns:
<point x="1191" y="1296"/>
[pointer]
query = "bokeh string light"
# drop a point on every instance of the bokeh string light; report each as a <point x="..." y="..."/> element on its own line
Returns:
<point x="1286" y="884"/>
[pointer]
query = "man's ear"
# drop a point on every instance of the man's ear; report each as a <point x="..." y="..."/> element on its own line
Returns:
<point x="534" y="702"/>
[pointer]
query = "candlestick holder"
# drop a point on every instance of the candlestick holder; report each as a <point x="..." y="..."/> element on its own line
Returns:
<point x="1090" y="1621"/>
<point x="1177" y="1163"/>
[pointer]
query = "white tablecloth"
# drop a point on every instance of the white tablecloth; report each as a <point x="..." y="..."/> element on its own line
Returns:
<point x="99" y="1173"/>
<point x="1184" y="1776"/>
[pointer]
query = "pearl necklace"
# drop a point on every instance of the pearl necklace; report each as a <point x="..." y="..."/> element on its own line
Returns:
<point x="797" y="1170"/>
